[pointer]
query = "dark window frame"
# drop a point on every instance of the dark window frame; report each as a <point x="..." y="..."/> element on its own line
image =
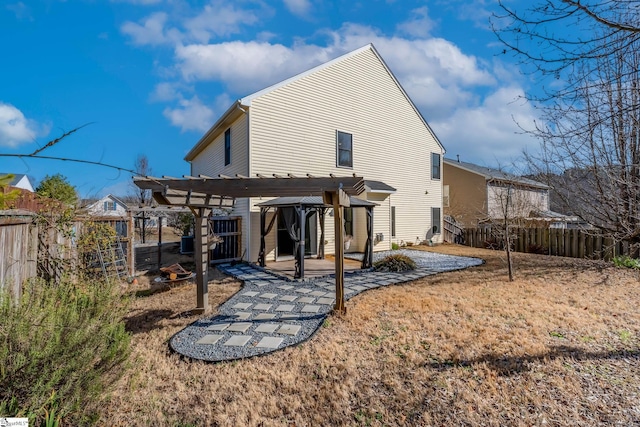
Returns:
<point x="347" y="214"/>
<point x="340" y="150"/>
<point x="436" y="166"/>
<point x="436" y="228"/>
<point x="227" y="147"/>
<point x="393" y="221"/>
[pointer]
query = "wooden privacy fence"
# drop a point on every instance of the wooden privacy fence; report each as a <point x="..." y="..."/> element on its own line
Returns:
<point x="572" y="243"/>
<point x="18" y="249"/>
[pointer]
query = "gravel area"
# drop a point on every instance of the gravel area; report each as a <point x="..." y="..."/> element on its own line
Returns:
<point x="271" y="312"/>
<point x="423" y="259"/>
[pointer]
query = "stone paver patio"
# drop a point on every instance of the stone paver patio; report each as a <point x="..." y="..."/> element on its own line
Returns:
<point x="272" y="312"/>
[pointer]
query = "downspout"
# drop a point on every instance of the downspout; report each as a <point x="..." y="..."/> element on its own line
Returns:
<point x="247" y="238"/>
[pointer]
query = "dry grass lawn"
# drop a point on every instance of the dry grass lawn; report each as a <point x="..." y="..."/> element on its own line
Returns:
<point x="559" y="346"/>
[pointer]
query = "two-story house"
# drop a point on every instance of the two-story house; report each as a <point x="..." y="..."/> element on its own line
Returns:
<point x="474" y="194"/>
<point x="349" y="116"/>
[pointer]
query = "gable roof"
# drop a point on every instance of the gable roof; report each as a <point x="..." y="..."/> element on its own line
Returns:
<point x="17" y="177"/>
<point x="495" y="175"/>
<point x="237" y="109"/>
<point x="103" y="199"/>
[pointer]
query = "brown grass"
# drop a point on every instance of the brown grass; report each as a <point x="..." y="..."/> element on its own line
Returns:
<point x="559" y="346"/>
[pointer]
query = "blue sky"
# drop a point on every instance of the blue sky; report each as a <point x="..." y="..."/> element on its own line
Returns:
<point x="153" y="75"/>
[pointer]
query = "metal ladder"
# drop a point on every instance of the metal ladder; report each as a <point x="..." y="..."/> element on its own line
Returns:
<point x="112" y="260"/>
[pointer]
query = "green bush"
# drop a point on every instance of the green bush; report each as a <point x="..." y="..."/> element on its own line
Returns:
<point x="628" y="262"/>
<point x="395" y="246"/>
<point x="60" y="347"/>
<point x="396" y="263"/>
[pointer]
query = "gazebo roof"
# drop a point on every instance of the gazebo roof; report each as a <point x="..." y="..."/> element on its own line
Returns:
<point x="311" y="201"/>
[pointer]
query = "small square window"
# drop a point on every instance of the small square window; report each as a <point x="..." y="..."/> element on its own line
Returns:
<point x="435" y="166"/>
<point x="345" y="149"/>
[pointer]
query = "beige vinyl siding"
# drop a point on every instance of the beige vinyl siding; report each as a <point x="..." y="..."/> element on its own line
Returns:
<point x="293" y="130"/>
<point x="467" y="195"/>
<point x="210" y="162"/>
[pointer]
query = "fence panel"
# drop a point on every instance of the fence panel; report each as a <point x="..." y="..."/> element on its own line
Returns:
<point x="229" y="228"/>
<point x="572" y="243"/>
<point x="19" y="247"/>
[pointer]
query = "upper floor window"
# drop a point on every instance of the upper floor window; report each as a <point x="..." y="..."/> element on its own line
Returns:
<point x="227" y="147"/>
<point x="345" y="149"/>
<point x="109" y="205"/>
<point x="435" y="166"/>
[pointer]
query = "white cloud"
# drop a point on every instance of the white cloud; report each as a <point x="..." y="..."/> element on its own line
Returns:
<point x="435" y="72"/>
<point x="298" y="7"/>
<point x="15" y="128"/>
<point x="219" y="19"/>
<point x="191" y="114"/>
<point x="247" y="66"/>
<point x="468" y="101"/>
<point x="151" y="31"/>
<point x="167" y="91"/>
<point x="489" y="133"/>
<point x="420" y="24"/>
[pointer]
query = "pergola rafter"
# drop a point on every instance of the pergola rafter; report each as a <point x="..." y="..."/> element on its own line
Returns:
<point x="203" y="193"/>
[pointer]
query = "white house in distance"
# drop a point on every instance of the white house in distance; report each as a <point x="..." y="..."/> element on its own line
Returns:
<point x="20" y="181"/>
<point x="349" y="116"/>
<point x="108" y="206"/>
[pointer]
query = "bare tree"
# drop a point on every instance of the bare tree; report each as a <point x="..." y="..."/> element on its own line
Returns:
<point x="510" y="207"/>
<point x="590" y="128"/>
<point x="556" y="38"/>
<point x="141" y="167"/>
<point x="142" y="197"/>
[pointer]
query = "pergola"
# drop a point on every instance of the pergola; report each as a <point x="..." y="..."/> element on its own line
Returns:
<point x="201" y="194"/>
<point x="302" y="207"/>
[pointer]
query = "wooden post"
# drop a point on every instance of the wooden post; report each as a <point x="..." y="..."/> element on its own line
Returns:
<point x="302" y="218"/>
<point x="338" y="199"/>
<point x="159" y="242"/>
<point x="131" y="234"/>
<point x="339" y="256"/>
<point x="201" y="255"/>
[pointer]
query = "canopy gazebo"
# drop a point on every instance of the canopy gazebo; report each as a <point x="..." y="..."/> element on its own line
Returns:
<point x="299" y="208"/>
<point x="201" y="194"/>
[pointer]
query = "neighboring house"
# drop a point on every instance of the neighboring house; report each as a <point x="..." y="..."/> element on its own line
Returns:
<point x="474" y="194"/>
<point x="20" y="181"/>
<point x="108" y="209"/>
<point x="108" y="206"/>
<point x="347" y="116"/>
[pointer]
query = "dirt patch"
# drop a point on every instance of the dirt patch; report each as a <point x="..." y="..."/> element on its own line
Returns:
<point x="558" y="346"/>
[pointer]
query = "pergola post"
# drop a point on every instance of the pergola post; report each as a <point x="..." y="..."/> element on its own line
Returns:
<point x="201" y="255"/>
<point x="131" y="252"/>
<point x="338" y="199"/>
<point x="321" y="212"/>
<point x="367" y="259"/>
<point x="263" y="223"/>
<point x="302" y="218"/>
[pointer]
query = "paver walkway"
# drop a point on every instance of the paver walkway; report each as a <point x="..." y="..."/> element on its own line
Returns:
<point x="272" y="312"/>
